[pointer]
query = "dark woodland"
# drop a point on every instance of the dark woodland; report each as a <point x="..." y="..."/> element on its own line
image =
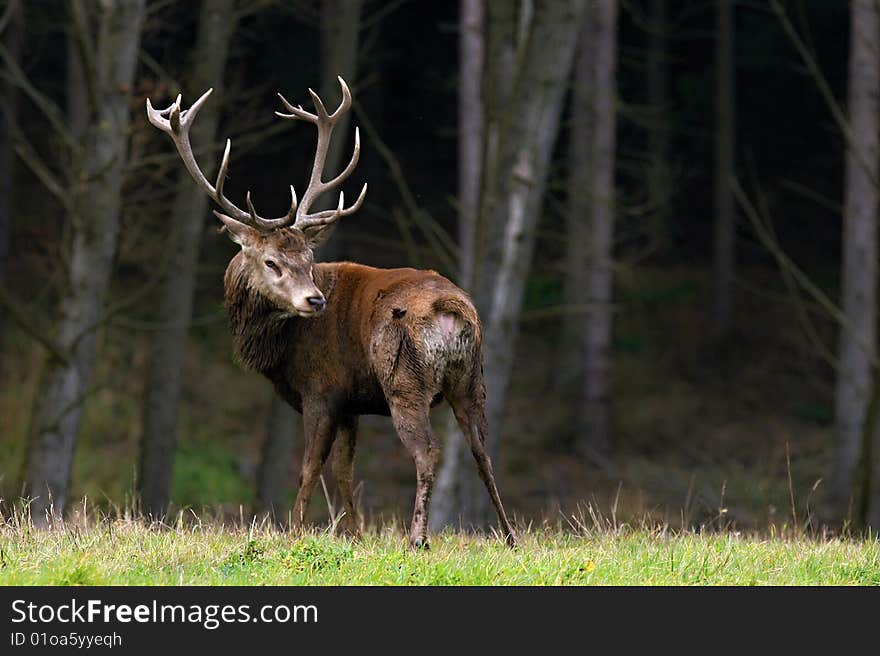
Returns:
<point x="663" y="211"/>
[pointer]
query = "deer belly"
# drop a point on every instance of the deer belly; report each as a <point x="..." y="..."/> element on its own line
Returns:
<point x="366" y="398"/>
<point x="368" y="407"/>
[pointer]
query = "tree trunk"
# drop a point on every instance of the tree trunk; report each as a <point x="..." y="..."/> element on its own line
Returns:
<point x="525" y="146"/>
<point x="584" y="350"/>
<point x="340" y="32"/>
<point x="448" y="500"/>
<point x="871" y="449"/>
<point x="859" y="260"/>
<point x="571" y="354"/>
<point x="94" y="222"/>
<point x="497" y="84"/>
<point x="866" y="471"/>
<point x="340" y="40"/>
<point x="659" y="187"/>
<point x="503" y="39"/>
<point x="12" y="41"/>
<point x="725" y="226"/>
<point x="592" y="423"/>
<point x="284" y="423"/>
<point x="164" y="373"/>
<point x="77" y="102"/>
<point x="470" y="136"/>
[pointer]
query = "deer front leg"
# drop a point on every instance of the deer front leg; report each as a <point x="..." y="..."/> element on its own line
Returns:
<point x="320" y="429"/>
<point x="413" y="426"/>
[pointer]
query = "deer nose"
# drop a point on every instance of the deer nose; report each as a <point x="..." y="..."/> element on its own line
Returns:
<point x="317" y="302"/>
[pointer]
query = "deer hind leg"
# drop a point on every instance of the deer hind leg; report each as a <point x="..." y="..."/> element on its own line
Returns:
<point x="320" y="430"/>
<point x="343" y="470"/>
<point x="471" y="417"/>
<point x="413" y="426"/>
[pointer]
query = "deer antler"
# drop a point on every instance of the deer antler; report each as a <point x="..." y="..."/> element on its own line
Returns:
<point x="325" y="123"/>
<point x="176" y="123"/>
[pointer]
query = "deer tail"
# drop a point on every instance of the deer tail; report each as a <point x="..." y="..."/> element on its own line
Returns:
<point x="460" y="307"/>
<point x="456" y="318"/>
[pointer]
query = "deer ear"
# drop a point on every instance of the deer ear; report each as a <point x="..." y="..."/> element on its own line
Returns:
<point x="317" y="235"/>
<point x="238" y="232"/>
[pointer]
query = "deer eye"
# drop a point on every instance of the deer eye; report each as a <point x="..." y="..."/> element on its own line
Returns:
<point x="272" y="266"/>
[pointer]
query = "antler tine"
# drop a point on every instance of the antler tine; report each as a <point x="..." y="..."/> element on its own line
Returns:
<point x="224" y="166"/>
<point x="227" y="205"/>
<point x="293" y="200"/>
<point x="357" y="204"/>
<point x="325" y="123"/>
<point x="268" y="224"/>
<point x="329" y="216"/>
<point x="174" y="113"/>
<point x="345" y="105"/>
<point x="319" y="106"/>
<point x="347" y="171"/>
<point x="323" y="218"/>
<point x="176" y="126"/>
<point x="296" y="112"/>
<point x="188" y="116"/>
<point x="317" y="186"/>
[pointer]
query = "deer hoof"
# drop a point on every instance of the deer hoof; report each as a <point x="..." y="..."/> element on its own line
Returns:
<point x="420" y="544"/>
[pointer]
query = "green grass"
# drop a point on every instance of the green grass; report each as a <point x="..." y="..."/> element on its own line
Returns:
<point x="126" y="552"/>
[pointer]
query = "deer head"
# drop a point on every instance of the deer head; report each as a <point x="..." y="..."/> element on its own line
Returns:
<point x="276" y="254"/>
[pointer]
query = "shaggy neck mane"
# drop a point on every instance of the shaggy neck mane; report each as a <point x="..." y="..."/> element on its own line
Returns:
<point x="258" y="327"/>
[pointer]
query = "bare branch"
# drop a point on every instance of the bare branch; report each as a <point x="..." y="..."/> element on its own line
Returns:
<point x="155" y="7"/>
<point x="382" y="12"/>
<point x="48" y="108"/>
<point x="794" y="290"/>
<point x="244" y="144"/>
<point x="157" y="69"/>
<point x="8" y="13"/>
<point x="39" y="168"/>
<point x="837" y="111"/>
<point x="440" y="240"/>
<point x="19" y="316"/>
<point x="305" y="11"/>
<point x="784" y="261"/>
<point x="812" y="195"/>
<point x="32" y="159"/>
<point x="83" y="40"/>
<point x="409" y="244"/>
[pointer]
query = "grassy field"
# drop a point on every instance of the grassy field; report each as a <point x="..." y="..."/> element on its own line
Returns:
<point x="126" y="552"/>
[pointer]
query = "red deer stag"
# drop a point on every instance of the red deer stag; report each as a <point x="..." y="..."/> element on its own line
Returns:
<point x="339" y="339"/>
